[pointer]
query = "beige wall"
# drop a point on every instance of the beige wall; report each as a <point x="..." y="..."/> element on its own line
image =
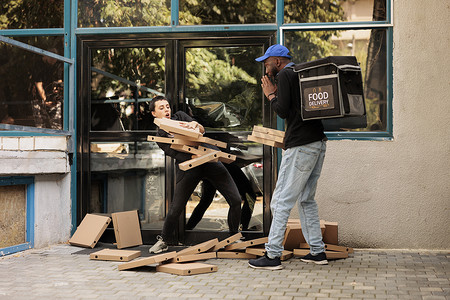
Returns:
<point x="396" y="194"/>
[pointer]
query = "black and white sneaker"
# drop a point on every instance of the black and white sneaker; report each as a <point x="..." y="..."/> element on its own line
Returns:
<point x="159" y="247"/>
<point x="319" y="259"/>
<point x="266" y="263"/>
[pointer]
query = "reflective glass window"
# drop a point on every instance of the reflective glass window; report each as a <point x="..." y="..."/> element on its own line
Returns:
<point x="128" y="176"/>
<point x="32" y="85"/>
<point x="369" y="47"/>
<point x="30" y="14"/>
<point x="124" y="13"/>
<point x="124" y="80"/>
<point x="207" y="12"/>
<point x="222" y="88"/>
<point x="318" y="11"/>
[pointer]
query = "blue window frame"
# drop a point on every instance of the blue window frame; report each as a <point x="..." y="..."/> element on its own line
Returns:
<point x="29" y="238"/>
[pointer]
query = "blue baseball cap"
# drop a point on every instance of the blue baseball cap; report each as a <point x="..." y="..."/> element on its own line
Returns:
<point x="275" y="50"/>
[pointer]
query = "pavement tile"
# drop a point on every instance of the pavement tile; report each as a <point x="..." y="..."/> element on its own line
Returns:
<point x="56" y="272"/>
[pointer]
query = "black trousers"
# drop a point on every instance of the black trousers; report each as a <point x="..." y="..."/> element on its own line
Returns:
<point x="216" y="174"/>
<point x="248" y="196"/>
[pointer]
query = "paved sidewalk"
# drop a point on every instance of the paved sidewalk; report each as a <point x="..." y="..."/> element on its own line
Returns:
<point x="57" y="273"/>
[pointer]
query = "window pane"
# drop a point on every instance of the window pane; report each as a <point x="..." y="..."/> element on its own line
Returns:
<point x="124" y="13"/>
<point x="129" y="176"/>
<point x="222" y="87"/>
<point x="369" y="47"/>
<point x="317" y="11"/>
<point x="113" y="101"/>
<point x="31" y="14"/>
<point x="31" y="89"/>
<point x="203" y="12"/>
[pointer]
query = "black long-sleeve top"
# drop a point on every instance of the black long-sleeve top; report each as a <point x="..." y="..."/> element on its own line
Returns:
<point x="286" y="105"/>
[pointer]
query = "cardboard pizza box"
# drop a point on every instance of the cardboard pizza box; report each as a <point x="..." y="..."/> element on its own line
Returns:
<point x="265" y="141"/>
<point x="235" y="254"/>
<point x="115" y="255"/>
<point x="164" y="257"/>
<point x="245" y="244"/>
<point x="127" y="229"/>
<point x="90" y="230"/>
<point x="186" y="268"/>
<point x="199" y="248"/>
<point x="329" y="254"/>
<point x="227" y="241"/>
<point x="194" y="257"/>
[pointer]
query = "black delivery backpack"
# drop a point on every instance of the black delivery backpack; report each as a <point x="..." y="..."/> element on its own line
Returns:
<point x="331" y="90"/>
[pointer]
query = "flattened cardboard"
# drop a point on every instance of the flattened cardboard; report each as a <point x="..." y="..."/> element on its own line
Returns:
<point x="264" y="141"/>
<point x="227" y="241"/>
<point x="90" y="230"/>
<point x="329" y="254"/>
<point x="115" y="255"/>
<point x="127" y="229"/>
<point x="199" y="248"/>
<point x="243" y="245"/>
<point x="192" y="163"/>
<point x="269" y="131"/>
<point x="223" y="157"/>
<point x="194" y="257"/>
<point x="186" y="268"/>
<point x="233" y="254"/>
<point x="147" y="261"/>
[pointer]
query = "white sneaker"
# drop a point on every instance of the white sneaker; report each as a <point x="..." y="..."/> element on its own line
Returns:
<point x="160" y="246"/>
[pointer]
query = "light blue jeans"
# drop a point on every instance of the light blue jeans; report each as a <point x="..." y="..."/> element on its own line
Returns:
<point x="297" y="182"/>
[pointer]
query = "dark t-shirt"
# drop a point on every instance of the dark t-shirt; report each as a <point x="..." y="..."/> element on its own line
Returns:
<point x="287" y="106"/>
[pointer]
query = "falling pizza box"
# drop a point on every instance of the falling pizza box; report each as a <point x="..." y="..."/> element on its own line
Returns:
<point x="90" y="230"/>
<point x="223" y="157"/>
<point x="202" y="139"/>
<point x="127" y="229"/>
<point x="115" y="255"/>
<point x="275" y="138"/>
<point x="243" y="245"/>
<point x="261" y="251"/>
<point x="329" y="254"/>
<point x="199" y="248"/>
<point x="194" y="257"/>
<point x="268" y="131"/>
<point x="227" y="241"/>
<point x="147" y="261"/>
<point x="265" y="141"/>
<point x="192" y="163"/>
<point x="170" y="140"/>
<point x="186" y="268"/>
<point x="173" y="126"/>
<point x="235" y="254"/>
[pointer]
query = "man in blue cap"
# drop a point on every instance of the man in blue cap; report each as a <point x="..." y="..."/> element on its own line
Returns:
<point x="301" y="164"/>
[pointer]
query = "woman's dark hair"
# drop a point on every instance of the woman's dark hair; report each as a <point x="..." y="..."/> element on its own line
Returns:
<point x="152" y="103"/>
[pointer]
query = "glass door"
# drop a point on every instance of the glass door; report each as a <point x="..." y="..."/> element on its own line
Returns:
<point x="220" y="87"/>
<point x="214" y="79"/>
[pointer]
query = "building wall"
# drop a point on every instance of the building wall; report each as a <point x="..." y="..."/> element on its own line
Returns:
<point x="46" y="159"/>
<point x="396" y="194"/>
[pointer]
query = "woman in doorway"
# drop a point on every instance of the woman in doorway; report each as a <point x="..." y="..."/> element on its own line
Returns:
<point x="186" y="181"/>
